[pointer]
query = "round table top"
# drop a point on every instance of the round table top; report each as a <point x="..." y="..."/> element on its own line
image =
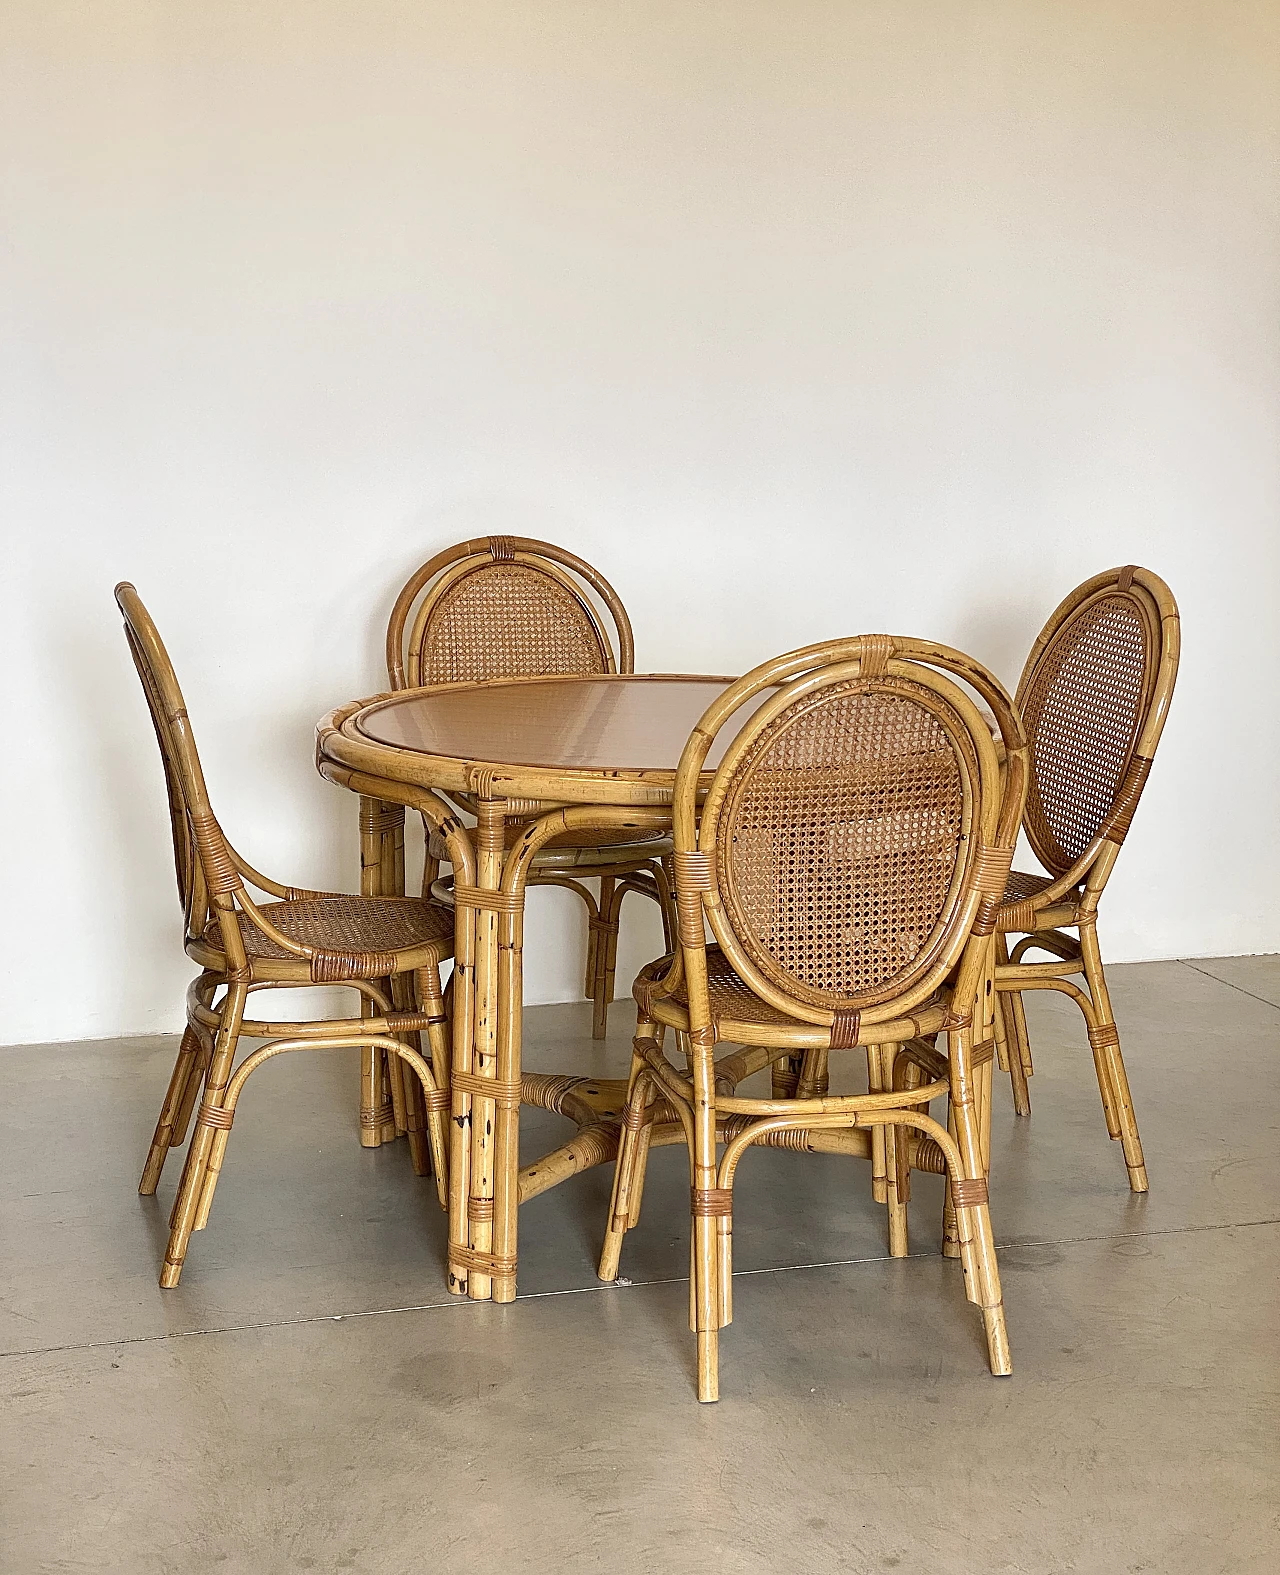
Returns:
<point x="611" y="738"/>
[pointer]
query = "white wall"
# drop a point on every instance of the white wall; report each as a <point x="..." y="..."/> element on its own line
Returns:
<point x="796" y="318"/>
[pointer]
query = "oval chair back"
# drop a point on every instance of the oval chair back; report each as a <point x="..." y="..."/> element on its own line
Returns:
<point x="857" y="830"/>
<point x="505" y="607"/>
<point x="1094" y="695"/>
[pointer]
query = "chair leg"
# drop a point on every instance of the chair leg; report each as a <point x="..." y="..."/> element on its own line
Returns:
<point x="606" y="933"/>
<point x="432" y="1003"/>
<point x="708" y="1303"/>
<point x="1104" y="1039"/>
<point x="969" y="1194"/>
<point x="411" y="1091"/>
<point x="897" y="1172"/>
<point x="184" y="1072"/>
<point x="611" y="948"/>
<point x="879" y="1146"/>
<point x="628" y="1170"/>
<point x="950" y="1225"/>
<point x="1012" y="1044"/>
<point x="593" y="942"/>
<point x="189" y="1202"/>
<point x="192" y="1095"/>
<point x="786" y="1076"/>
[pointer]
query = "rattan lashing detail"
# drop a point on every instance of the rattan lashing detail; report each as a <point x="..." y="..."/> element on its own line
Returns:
<point x="876" y="651"/>
<point x="482" y="1262"/>
<point x="968" y="1192"/>
<point x="342" y="967"/>
<point x="990" y="871"/>
<point x="488" y="901"/>
<point x="693" y="869"/>
<point x="1116" y="826"/>
<point x="221" y="872"/>
<point x="507" y="1095"/>
<point x="218" y="1118"/>
<point x="376" y="1115"/>
<point x="839" y="840"/>
<point x="845" y="1029"/>
<point x="711" y="1202"/>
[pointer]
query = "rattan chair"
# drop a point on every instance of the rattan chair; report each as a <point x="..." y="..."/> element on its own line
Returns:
<point x="299" y="938"/>
<point x="513" y="607"/>
<point x="848" y="857"/>
<point x="1094" y="695"/>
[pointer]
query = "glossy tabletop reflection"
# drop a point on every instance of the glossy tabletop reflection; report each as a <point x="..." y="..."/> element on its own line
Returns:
<point x="620" y="723"/>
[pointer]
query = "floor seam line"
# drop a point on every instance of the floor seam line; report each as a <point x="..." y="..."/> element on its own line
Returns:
<point x="593" y="1290"/>
<point x="1239" y="988"/>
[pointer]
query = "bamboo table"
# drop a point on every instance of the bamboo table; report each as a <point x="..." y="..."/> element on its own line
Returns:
<point x="580" y="754"/>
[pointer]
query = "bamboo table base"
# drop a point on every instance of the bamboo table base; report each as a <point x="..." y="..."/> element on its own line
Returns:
<point x="488" y="1087"/>
<point x="604" y="749"/>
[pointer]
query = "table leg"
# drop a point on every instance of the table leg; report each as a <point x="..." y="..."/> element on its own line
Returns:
<point x="485" y="1180"/>
<point x="490" y="825"/>
<point x="462" y="1012"/>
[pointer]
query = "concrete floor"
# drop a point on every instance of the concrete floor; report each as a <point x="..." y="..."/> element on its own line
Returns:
<point x="310" y="1398"/>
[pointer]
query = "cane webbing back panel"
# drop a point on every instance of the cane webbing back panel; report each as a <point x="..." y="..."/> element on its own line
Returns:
<point x="839" y="844"/>
<point x="1083" y="706"/>
<point x="508" y="620"/>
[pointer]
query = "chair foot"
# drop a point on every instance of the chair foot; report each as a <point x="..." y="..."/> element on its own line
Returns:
<point x="610" y="1255"/>
<point x="998" y="1354"/>
<point x="169" y="1275"/>
<point x="1018" y="1082"/>
<point x="708" y="1365"/>
<point x="1138" y="1179"/>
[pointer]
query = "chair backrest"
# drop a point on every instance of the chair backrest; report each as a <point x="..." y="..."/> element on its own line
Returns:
<point x="1094" y="695"/>
<point x="204" y="863"/>
<point x="505" y="607"/>
<point x="858" y="830"/>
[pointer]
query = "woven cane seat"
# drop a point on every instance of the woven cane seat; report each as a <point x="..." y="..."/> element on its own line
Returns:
<point x="345" y="924"/>
<point x="1022" y="889"/>
<point x="730" y="998"/>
